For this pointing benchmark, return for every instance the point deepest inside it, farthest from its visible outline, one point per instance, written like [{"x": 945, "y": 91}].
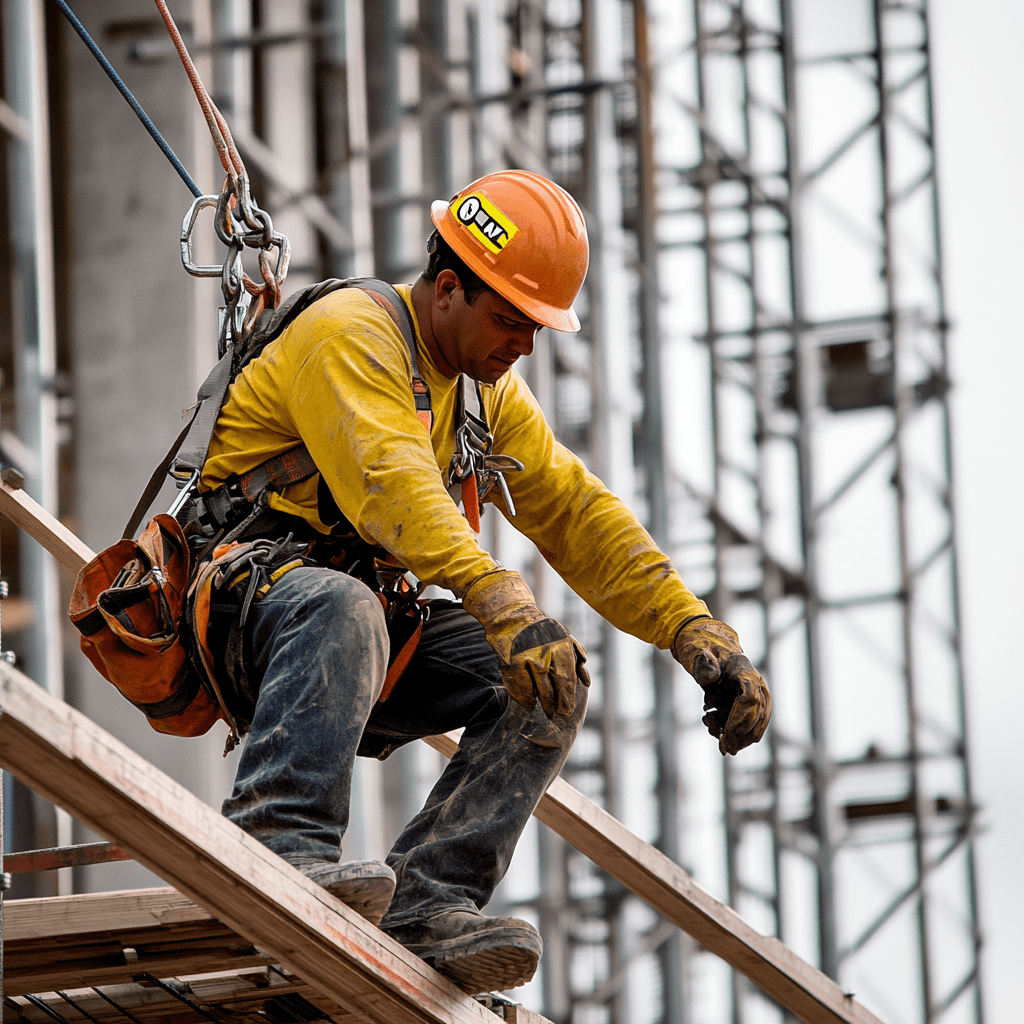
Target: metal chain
[{"x": 239, "y": 222}]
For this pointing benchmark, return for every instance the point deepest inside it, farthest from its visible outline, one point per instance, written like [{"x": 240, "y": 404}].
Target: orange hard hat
[{"x": 523, "y": 236}]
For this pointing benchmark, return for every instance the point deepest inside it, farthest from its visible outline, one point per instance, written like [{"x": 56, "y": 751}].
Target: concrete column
[
  {"x": 287, "y": 122},
  {"x": 135, "y": 321}
]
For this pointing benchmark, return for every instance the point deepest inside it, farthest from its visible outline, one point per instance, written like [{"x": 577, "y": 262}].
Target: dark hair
[{"x": 441, "y": 256}]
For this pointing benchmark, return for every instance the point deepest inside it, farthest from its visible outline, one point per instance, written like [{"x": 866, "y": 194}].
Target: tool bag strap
[{"x": 187, "y": 455}]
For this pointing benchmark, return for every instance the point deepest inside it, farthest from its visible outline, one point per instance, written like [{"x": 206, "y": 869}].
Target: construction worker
[{"x": 307, "y": 669}]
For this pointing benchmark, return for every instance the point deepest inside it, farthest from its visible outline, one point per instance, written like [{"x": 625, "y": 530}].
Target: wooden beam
[
  {"x": 664, "y": 885},
  {"x": 775, "y": 969},
  {"x": 31, "y": 517},
  {"x": 68, "y": 917},
  {"x": 14, "y": 124},
  {"x": 65, "y": 757},
  {"x": 231, "y": 992},
  {"x": 59, "y": 943}
]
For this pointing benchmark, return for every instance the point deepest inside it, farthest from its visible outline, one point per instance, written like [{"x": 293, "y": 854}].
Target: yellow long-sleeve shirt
[{"x": 338, "y": 379}]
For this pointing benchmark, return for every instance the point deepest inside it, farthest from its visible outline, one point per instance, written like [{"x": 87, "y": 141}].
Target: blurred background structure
[{"x": 762, "y": 374}]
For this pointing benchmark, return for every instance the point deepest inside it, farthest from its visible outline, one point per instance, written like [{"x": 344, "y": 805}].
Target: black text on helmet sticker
[{"x": 484, "y": 221}]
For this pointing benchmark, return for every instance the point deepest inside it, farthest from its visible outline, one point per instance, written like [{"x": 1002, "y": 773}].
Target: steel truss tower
[{"x": 804, "y": 202}]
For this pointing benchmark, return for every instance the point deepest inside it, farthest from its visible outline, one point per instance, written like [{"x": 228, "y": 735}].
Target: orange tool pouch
[{"x": 127, "y": 604}]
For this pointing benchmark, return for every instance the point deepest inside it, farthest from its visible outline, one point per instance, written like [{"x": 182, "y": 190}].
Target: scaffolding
[
  {"x": 805, "y": 184},
  {"x": 761, "y": 374}
]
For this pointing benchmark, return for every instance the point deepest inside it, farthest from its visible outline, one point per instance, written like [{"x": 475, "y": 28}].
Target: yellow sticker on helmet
[{"x": 483, "y": 220}]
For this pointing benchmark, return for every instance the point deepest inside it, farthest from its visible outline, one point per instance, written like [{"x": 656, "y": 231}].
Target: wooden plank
[
  {"x": 64, "y": 942},
  {"x": 128, "y": 911},
  {"x": 31, "y": 517},
  {"x": 795, "y": 984},
  {"x": 768, "y": 963},
  {"x": 229, "y": 992},
  {"x": 65, "y": 757},
  {"x": 51, "y": 944}
]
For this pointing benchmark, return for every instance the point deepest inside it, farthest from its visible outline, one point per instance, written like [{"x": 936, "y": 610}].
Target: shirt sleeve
[{"x": 588, "y": 535}]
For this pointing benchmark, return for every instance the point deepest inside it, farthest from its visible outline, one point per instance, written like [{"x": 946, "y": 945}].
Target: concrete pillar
[{"x": 135, "y": 321}]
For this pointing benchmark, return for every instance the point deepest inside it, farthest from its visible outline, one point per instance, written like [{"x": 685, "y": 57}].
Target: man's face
[{"x": 482, "y": 339}]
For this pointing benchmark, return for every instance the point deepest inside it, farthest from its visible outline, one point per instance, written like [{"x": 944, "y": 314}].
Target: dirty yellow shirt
[{"x": 338, "y": 378}]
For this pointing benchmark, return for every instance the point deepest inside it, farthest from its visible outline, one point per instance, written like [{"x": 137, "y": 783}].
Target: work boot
[
  {"x": 364, "y": 885},
  {"x": 480, "y": 954}
]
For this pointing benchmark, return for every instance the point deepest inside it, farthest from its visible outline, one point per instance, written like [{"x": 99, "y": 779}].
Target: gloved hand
[
  {"x": 736, "y": 698},
  {"x": 540, "y": 659}
]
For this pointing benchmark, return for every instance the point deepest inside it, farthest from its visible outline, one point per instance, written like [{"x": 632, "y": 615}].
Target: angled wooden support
[
  {"x": 30, "y": 516},
  {"x": 70, "y": 760},
  {"x": 793, "y": 983},
  {"x": 774, "y": 968}
]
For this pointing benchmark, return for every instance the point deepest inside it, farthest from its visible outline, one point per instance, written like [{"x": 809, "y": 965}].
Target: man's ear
[{"x": 445, "y": 285}]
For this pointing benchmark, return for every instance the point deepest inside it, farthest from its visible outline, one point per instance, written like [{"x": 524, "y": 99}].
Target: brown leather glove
[
  {"x": 540, "y": 659},
  {"x": 736, "y": 698}
]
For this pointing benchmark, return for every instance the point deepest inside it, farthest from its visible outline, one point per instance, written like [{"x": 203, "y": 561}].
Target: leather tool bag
[{"x": 127, "y": 604}]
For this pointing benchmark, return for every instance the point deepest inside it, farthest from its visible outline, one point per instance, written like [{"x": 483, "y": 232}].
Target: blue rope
[{"x": 132, "y": 101}]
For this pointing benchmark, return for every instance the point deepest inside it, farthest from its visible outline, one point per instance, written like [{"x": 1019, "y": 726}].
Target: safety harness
[
  {"x": 473, "y": 472},
  {"x": 237, "y": 548}
]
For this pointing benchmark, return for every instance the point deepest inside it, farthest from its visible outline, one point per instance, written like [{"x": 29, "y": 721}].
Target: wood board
[
  {"x": 216, "y": 995},
  {"x": 62, "y": 942},
  {"x": 792, "y": 982},
  {"x": 101, "y": 949}
]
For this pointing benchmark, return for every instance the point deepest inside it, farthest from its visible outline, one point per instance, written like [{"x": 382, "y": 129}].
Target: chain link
[{"x": 239, "y": 224}]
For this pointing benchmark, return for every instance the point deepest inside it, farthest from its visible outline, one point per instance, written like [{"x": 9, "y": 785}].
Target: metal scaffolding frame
[
  {"x": 810, "y": 196},
  {"x": 32, "y": 433}
]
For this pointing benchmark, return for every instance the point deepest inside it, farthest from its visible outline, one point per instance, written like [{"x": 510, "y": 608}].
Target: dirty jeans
[{"x": 320, "y": 644}]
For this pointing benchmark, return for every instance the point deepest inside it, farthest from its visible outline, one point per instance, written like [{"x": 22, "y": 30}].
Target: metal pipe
[
  {"x": 610, "y": 428},
  {"x": 942, "y": 331},
  {"x": 763, "y": 408},
  {"x": 705, "y": 180},
  {"x": 672, "y": 952},
  {"x": 382, "y": 38},
  {"x": 35, "y": 334},
  {"x": 358, "y": 142},
  {"x": 805, "y": 356},
  {"x": 906, "y": 577},
  {"x": 33, "y": 302}
]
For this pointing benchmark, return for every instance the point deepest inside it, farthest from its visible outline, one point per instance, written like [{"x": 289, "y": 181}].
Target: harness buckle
[{"x": 473, "y": 457}]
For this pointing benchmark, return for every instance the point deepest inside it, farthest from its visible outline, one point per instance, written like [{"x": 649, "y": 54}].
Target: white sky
[{"x": 979, "y": 84}]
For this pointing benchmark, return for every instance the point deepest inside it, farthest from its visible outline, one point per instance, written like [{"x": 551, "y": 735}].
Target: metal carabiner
[
  {"x": 232, "y": 276},
  {"x": 187, "y": 227},
  {"x": 264, "y": 238},
  {"x": 493, "y": 472}
]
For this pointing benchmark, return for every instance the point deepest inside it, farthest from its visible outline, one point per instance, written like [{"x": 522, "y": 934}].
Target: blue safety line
[{"x": 132, "y": 101}]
